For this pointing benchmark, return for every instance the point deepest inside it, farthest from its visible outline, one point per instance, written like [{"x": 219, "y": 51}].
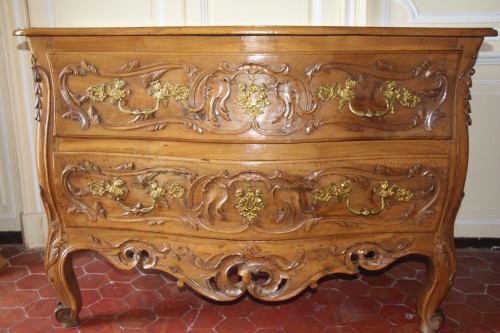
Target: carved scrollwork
[
  {"x": 366, "y": 80},
  {"x": 233, "y": 203},
  {"x": 231, "y": 274},
  {"x": 231, "y": 100}
]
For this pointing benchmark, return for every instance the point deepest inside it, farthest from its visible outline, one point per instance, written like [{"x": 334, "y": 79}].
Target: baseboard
[
  {"x": 477, "y": 243},
  {"x": 11, "y": 237}
]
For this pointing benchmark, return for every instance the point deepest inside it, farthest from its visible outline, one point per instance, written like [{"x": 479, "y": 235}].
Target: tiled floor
[{"x": 148, "y": 301}]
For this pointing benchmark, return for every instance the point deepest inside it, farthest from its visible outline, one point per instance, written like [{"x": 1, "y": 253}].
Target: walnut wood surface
[{"x": 253, "y": 159}]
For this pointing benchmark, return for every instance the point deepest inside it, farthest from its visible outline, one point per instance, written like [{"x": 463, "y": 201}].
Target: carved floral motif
[
  {"x": 214, "y": 201},
  {"x": 214, "y": 99}
]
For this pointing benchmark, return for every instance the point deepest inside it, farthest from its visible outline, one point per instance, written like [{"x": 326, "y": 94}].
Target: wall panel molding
[
  {"x": 21, "y": 107},
  {"x": 419, "y": 18}
]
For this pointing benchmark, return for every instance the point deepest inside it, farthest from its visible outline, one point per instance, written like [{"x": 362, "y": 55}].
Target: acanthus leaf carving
[
  {"x": 266, "y": 202},
  {"x": 213, "y": 99}
]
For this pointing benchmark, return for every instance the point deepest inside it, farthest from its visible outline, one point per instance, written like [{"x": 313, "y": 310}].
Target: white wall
[{"x": 480, "y": 212}]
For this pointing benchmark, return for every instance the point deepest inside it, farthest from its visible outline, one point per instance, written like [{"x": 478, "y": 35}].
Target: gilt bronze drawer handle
[
  {"x": 406, "y": 98},
  {"x": 117, "y": 95},
  {"x": 385, "y": 191}
]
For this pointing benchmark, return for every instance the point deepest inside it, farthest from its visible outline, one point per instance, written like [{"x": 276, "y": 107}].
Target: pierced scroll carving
[
  {"x": 233, "y": 203},
  {"x": 254, "y": 269},
  {"x": 228, "y": 101}
]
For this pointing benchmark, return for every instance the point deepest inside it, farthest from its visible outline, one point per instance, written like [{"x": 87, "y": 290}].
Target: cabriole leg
[
  {"x": 440, "y": 274},
  {"x": 59, "y": 269}
]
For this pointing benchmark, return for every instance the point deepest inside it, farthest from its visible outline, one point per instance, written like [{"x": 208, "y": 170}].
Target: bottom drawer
[{"x": 251, "y": 200}]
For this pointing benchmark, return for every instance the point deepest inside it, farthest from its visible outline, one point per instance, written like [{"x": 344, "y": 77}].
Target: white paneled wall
[{"x": 480, "y": 212}]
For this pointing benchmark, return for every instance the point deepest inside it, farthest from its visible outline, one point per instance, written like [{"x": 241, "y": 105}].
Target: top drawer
[{"x": 248, "y": 97}]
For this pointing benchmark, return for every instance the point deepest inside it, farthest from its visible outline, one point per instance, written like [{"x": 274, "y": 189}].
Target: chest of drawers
[{"x": 253, "y": 160}]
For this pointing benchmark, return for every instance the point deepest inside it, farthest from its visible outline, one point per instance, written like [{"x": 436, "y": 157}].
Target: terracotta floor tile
[
  {"x": 399, "y": 314},
  {"x": 270, "y": 330},
  {"x": 362, "y": 304},
  {"x": 486, "y": 276},
  {"x": 10, "y": 316},
  {"x": 31, "y": 325},
  {"x": 335, "y": 315},
  {"x": 387, "y": 295},
  {"x": 116, "y": 290},
  {"x": 93, "y": 281},
  {"x": 304, "y": 324},
  {"x": 495, "y": 267},
  {"x": 205, "y": 318},
  {"x": 141, "y": 300},
  {"x": 33, "y": 281},
  {"x": 7, "y": 287},
  {"x": 123, "y": 275},
  {"x": 171, "y": 308},
  {"x": 378, "y": 279},
  {"x": 370, "y": 324},
  {"x": 18, "y": 298},
  {"x": 99, "y": 325},
  {"x": 469, "y": 285},
  {"x": 462, "y": 313},
  {"x": 13, "y": 273},
  {"x": 149, "y": 282},
  {"x": 26, "y": 259},
  {"x": 172, "y": 325},
  {"x": 484, "y": 303},
  {"x": 96, "y": 266},
  {"x": 241, "y": 308},
  {"x": 136, "y": 318},
  {"x": 238, "y": 324},
  {"x": 108, "y": 307},
  {"x": 269, "y": 317},
  {"x": 340, "y": 329},
  {"x": 41, "y": 308}
]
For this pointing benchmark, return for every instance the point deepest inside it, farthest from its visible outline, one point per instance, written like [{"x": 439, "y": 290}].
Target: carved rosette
[
  {"x": 268, "y": 203},
  {"x": 267, "y": 99}
]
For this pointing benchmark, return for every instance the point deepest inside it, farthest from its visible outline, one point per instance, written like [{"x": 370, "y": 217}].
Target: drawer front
[
  {"x": 247, "y": 97},
  {"x": 251, "y": 200}
]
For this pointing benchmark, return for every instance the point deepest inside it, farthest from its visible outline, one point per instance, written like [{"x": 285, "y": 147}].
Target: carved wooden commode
[{"x": 253, "y": 159}]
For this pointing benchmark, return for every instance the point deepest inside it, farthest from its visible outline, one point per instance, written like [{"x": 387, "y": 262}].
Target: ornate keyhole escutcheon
[
  {"x": 253, "y": 98},
  {"x": 249, "y": 202}
]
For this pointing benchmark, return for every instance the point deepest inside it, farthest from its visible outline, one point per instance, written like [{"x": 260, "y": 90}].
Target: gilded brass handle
[
  {"x": 117, "y": 94},
  {"x": 385, "y": 191},
  {"x": 117, "y": 190},
  {"x": 405, "y": 97}
]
